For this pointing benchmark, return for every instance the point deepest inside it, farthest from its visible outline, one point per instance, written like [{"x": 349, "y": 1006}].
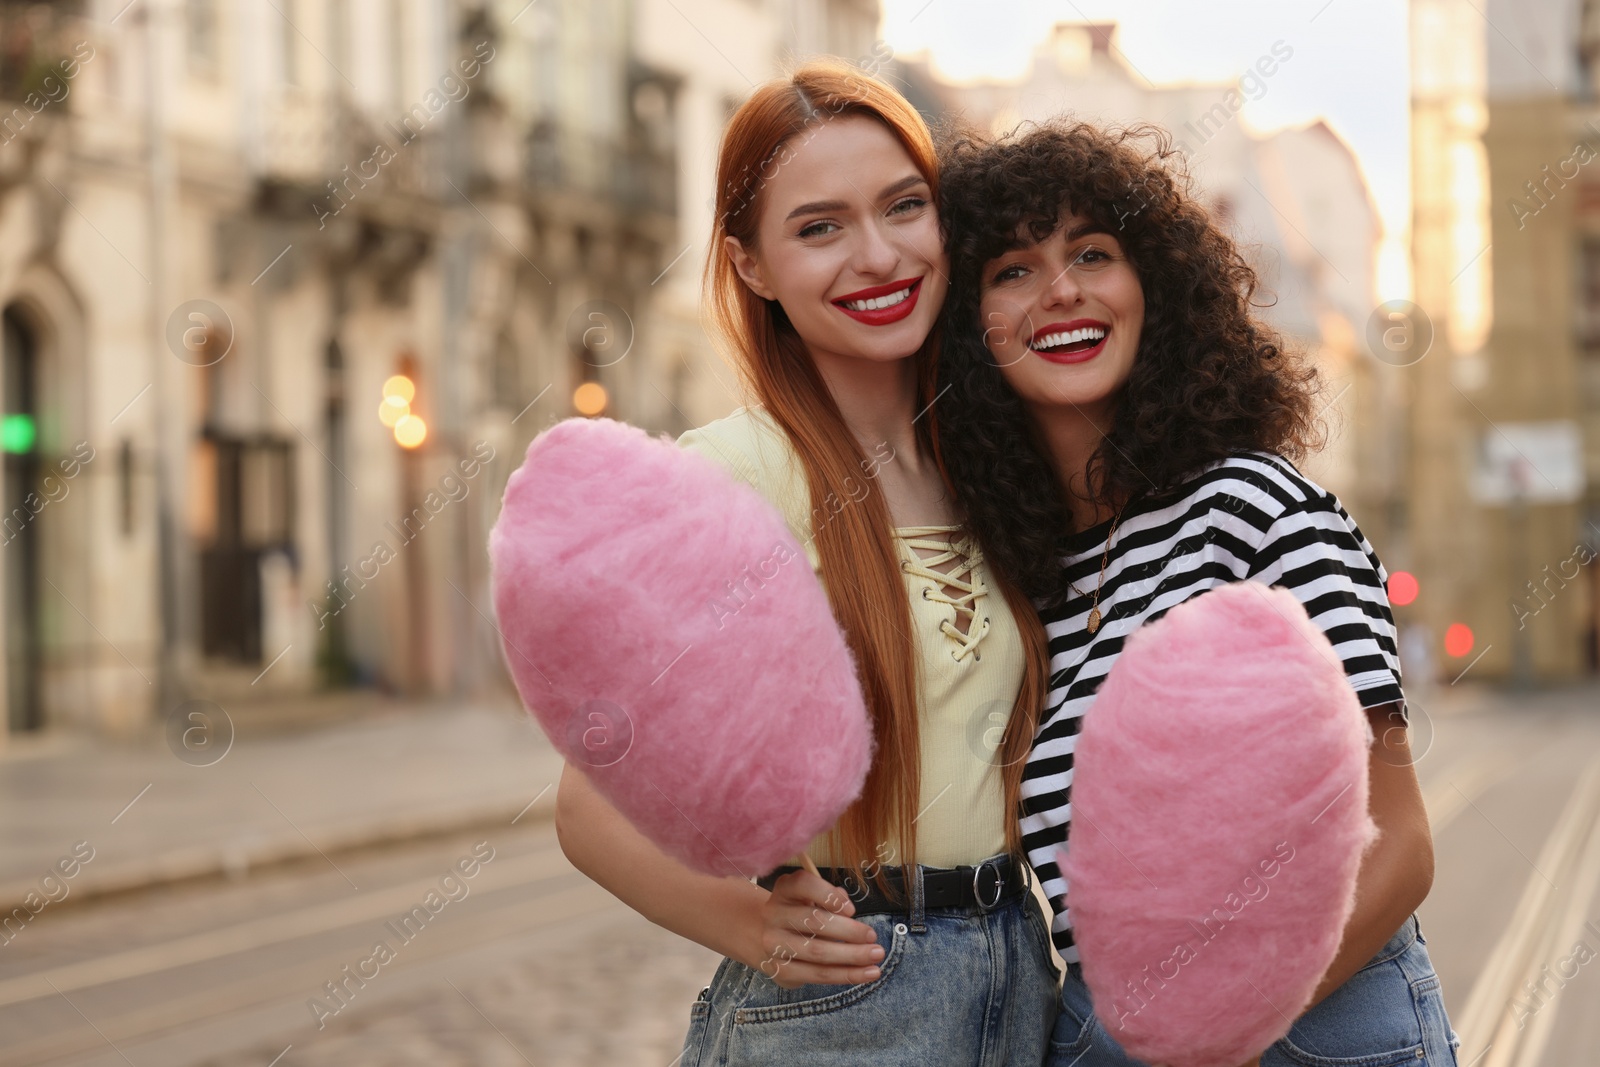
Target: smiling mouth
[
  {"x": 1068, "y": 342},
  {"x": 880, "y": 305},
  {"x": 878, "y": 302}
]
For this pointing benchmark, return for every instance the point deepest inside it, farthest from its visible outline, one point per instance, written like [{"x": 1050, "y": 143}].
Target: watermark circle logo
[
  {"x": 1011, "y": 330},
  {"x": 1399, "y": 333},
  {"x": 599, "y": 733},
  {"x": 600, "y": 332},
  {"x": 1415, "y": 725},
  {"x": 986, "y": 728},
  {"x": 199, "y": 732},
  {"x": 199, "y": 332}
]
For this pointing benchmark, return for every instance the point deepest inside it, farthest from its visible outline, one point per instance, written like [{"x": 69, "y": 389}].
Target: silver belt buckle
[{"x": 999, "y": 886}]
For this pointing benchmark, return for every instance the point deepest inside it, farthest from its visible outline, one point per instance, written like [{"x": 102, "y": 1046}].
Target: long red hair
[{"x": 860, "y": 561}]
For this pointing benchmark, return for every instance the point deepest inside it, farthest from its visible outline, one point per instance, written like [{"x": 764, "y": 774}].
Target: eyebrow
[
  {"x": 1085, "y": 229},
  {"x": 817, "y": 207}
]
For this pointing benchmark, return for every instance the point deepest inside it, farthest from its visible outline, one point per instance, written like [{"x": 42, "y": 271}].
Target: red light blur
[{"x": 1458, "y": 639}]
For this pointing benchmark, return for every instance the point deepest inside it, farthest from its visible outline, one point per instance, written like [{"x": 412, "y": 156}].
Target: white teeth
[
  {"x": 879, "y": 301},
  {"x": 1067, "y": 337}
]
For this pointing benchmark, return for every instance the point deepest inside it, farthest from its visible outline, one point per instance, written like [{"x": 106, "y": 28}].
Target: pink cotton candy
[
  {"x": 1219, "y": 814},
  {"x": 667, "y": 632}
]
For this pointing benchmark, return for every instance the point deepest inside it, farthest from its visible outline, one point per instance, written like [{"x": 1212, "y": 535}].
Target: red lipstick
[
  {"x": 884, "y": 315},
  {"x": 1070, "y": 354}
]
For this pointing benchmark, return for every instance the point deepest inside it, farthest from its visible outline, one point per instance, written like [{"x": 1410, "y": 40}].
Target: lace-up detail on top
[
  {"x": 960, "y": 700},
  {"x": 961, "y": 585}
]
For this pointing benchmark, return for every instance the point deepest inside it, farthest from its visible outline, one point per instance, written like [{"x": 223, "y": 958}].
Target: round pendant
[{"x": 1094, "y": 619}]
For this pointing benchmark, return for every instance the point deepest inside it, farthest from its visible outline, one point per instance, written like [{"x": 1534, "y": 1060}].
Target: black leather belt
[{"x": 985, "y": 886}]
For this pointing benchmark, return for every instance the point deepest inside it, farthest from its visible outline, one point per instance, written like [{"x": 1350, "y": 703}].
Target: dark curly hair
[{"x": 1208, "y": 380}]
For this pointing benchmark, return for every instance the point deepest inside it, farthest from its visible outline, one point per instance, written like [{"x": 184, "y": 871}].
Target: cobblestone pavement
[
  {"x": 613, "y": 991},
  {"x": 539, "y": 966},
  {"x": 543, "y": 968}
]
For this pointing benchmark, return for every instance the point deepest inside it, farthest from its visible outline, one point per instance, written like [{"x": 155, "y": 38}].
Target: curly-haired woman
[{"x": 1121, "y": 430}]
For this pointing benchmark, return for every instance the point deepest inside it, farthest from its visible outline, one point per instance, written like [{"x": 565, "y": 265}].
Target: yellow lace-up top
[{"x": 970, "y": 655}]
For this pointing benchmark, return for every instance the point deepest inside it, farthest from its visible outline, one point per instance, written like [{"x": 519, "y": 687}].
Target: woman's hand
[
  {"x": 800, "y": 932},
  {"x": 806, "y": 935}
]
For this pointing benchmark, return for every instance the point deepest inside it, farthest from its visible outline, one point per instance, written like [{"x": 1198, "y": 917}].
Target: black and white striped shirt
[{"x": 1250, "y": 517}]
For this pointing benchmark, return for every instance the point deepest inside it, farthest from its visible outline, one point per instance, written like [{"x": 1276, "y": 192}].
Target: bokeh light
[
  {"x": 410, "y": 431},
  {"x": 400, "y": 388},
  {"x": 589, "y": 398},
  {"x": 392, "y": 410},
  {"x": 18, "y": 433},
  {"x": 1458, "y": 639},
  {"x": 1403, "y": 588}
]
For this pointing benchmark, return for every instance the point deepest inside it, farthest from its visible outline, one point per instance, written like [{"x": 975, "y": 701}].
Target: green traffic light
[{"x": 17, "y": 433}]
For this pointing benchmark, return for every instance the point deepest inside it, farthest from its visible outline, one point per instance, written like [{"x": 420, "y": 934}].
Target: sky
[{"x": 1351, "y": 67}]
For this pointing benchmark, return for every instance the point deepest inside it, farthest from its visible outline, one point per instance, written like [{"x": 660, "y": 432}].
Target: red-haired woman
[{"x": 920, "y": 940}]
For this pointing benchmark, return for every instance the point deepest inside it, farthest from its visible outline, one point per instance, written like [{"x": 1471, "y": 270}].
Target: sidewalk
[
  {"x": 295, "y": 783},
  {"x": 1444, "y": 701},
  {"x": 401, "y": 771}
]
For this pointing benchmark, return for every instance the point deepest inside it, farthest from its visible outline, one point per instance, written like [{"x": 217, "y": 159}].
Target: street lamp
[
  {"x": 395, "y": 412},
  {"x": 589, "y": 398}
]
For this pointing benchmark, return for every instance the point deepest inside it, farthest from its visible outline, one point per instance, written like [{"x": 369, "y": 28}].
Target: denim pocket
[
  {"x": 1373, "y": 1020},
  {"x": 699, "y": 1019},
  {"x": 1035, "y": 921},
  {"x": 1380, "y": 1059},
  {"x": 1440, "y": 1040},
  {"x": 769, "y": 1002},
  {"x": 1075, "y": 1022}
]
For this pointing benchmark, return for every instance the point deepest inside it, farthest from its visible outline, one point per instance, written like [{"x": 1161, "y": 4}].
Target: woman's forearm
[
  {"x": 1397, "y": 872},
  {"x": 723, "y": 914},
  {"x": 1388, "y": 889}
]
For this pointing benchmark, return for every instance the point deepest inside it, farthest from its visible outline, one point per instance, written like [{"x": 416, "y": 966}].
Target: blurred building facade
[
  {"x": 1503, "y": 518},
  {"x": 719, "y": 50},
  {"x": 226, "y": 230},
  {"x": 1296, "y": 201}
]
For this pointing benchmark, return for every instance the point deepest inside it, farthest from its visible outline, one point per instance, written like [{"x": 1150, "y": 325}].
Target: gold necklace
[{"x": 1094, "y": 610}]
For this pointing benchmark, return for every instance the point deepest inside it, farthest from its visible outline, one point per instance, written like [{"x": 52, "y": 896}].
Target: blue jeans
[
  {"x": 963, "y": 987},
  {"x": 1388, "y": 1013}
]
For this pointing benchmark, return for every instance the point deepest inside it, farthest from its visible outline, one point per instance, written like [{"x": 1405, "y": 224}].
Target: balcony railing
[
  {"x": 311, "y": 141},
  {"x": 568, "y": 160}
]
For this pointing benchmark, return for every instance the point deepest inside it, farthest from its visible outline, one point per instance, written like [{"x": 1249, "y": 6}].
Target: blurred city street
[
  {"x": 396, "y": 771},
  {"x": 219, "y": 903},
  {"x": 289, "y": 287},
  {"x": 536, "y": 964}
]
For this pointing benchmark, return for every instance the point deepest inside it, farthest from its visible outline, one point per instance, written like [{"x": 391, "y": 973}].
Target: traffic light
[
  {"x": 1403, "y": 588},
  {"x": 1458, "y": 640},
  {"x": 18, "y": 433}
]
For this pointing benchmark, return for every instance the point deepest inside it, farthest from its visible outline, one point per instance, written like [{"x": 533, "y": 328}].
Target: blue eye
[
  {"x": 907, "y": 204},
  {"x": 815, "y": 229}
]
